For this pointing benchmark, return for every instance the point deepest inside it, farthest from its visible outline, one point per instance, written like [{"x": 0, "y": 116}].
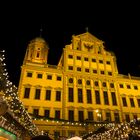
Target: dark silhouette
[{"x": 41, "y": 137}]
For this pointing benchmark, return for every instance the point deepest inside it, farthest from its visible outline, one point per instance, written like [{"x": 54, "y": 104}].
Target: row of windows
[
  {"x": 71, "y": 96},
  {"x": 79, "y": 69},
  {"x": 129, "y": 86},
  {"x": 87, "y": 59},
  {"x": 88, "y": 82},
  {"x": 132, "y": 103},
  {"x": 81, "y": 117},
  {"x": 39, "y": 75},
  {"x": 38, "y": 94}
]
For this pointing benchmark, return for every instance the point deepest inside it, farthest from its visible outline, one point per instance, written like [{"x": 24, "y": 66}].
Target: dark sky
[{"x": 117, "y": 24}]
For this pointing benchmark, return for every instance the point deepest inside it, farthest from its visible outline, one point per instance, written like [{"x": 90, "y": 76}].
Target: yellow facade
[{"x": 84, "y": 87}]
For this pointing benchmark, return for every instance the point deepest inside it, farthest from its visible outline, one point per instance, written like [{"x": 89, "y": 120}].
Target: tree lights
[{"x": 15, "y": 106}]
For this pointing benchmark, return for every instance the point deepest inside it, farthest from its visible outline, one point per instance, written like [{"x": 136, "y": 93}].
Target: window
[
  {"x": 121, "y": 85},
  {"x": 89, "y": 97},
  {"x": 94, "y": 71},
  {"x": 80, "y": 95},
  {"x": 49, "y": 77},
  {"x": 47, "y": 113},
  {"x": 102, "y": 72},
  {"x": 78, "y": 58},
  {"x": 57, "y": 114},
  {"x": 48, "y": 94},
  {"x": 112, "y": 85},
  {"x": 90, "y": 115},
  {"x": 114, "y": 101},
  {"x": 96, "y": 83},
  {"x": 79, "y": 81},
  {"x": 86, "y": 70},
  {"x": 100, "y": 61},
  {"x": 35, "y": 112},
  {"x": 29, "y": 74},
  {"x": 106, "y": 101},
  {"x": 97, "y": 96},
  {"x": 117, "y": 118},
  {"x": 37, "y": 94},
  {"x": 70, "y": 80},
  {"x": 27, "y": 93},
  {"x": 39, "y": 75},
  {"x": 86, "y": 59},
  {"x": 81, "y": 116},
  {"x": 138, "y": 100},
  {"x": 37, "y": 54},
  {"x": 108, "y": 62},
  {"x": 108, "y": 116},
  {"x": 70, "y": 67},
  {"x": 78, "y": 69},
  {"x": 58, "y": 78},
  {"x": 136, "y": 87},
  {"x": 124, "y": 101},
  {"x": 127, "y": 118},
  {"x": 70, "y": 56},
  {"x": 128, "y": 86},
  {"x": 70, "y": 94},
  {"x": 93, "y": 60},
  {"x": 109, "y": 73},
  {"x": 58, "y": 95},
  {"x": 88, "y": 82},
  {"x": 104, "y": 84},
  {"x": 132, "y": 102},
  {"x": 71, "y": 115}
]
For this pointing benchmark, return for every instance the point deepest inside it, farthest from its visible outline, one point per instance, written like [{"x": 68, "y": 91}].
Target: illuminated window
[
  {"x": 49, "y": 77},
  {"x": 132, "y": 102},
  {"x": 114, "y": 100},
  {"x": 78, "y": 58},
  {"x": 71, "y": 115},
  {"x": 29, "y": 74},
  {"x": 57, "y": 114},
  {"x": 78, "y": 69},
  {"x": 138, "y": 100},
  {"x": 70, "y": 92},
  {"x": 97, "y": 97},
  {"x": 70, "y": 67},
  {"x": 58, "y": 95},
  {"x": 89, "y": 97},
  {"x": 124, "y": 101},
  {"x": 37, "y": 94},
  {"x": 81, "y": 116},
  {"x": 47, "y": 113},
  {"x": 80, "y": 95},
  {"x": 121, "y": 85},
  {"x": 80, "y": 81},
  {"x": 70, "y": 56},
  {"x": 48, "y": 94},
  {"x": 27, "y": 93},
  {"x": 90, "y": 115},
  {"x": 136, "y": 87},
  {"x": 58, "y": 78},
  {"x": 35, "y": 112},
  {"x": 39, "y": 75},
  {"x": 106, "y": 101}
]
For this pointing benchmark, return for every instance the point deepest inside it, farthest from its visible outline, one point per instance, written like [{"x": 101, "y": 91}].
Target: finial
[
  {"x": 86, "y": 29},
  {"x": 41, "y": 31}
]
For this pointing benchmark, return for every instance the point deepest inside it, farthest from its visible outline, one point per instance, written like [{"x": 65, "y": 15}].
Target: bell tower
[{"x": 37, "y": 51}]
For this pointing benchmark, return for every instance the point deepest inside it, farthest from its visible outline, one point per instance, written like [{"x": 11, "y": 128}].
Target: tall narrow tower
[{"x": 37, "y": 51}]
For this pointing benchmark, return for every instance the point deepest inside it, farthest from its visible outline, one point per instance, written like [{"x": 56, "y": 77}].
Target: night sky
[{"x": 117, "y": 24}]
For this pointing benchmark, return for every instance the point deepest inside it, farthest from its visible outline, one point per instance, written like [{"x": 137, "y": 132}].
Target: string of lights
[{"x": 15, "y": 106}]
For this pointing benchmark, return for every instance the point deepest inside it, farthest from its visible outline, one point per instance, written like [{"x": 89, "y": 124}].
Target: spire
[
  {"x": 86, "y": 29},
  {"x": 41, "y": 30}
]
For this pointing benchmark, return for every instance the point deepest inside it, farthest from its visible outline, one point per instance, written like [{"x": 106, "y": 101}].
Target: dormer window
[{"x": 37, "y": 54}]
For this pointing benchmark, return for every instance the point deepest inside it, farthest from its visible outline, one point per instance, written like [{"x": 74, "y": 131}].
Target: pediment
[{"x": 89, "y": 38}]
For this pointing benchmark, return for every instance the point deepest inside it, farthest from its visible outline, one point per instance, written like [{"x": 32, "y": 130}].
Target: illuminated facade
[{"x": 84, "y": 87}]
